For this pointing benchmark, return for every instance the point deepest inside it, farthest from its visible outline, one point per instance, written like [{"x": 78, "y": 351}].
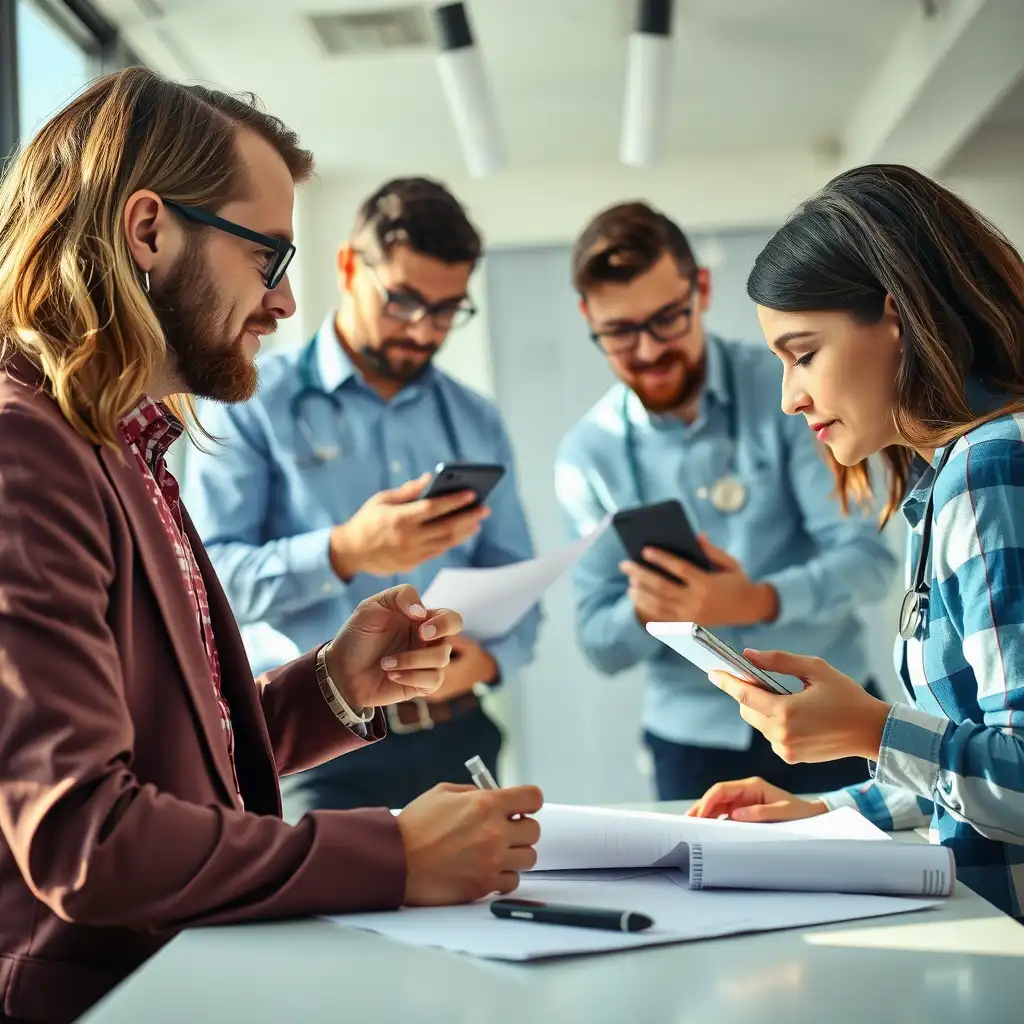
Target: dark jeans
[
  {"x": 395, "y": 770},
  {"x": 686, "y": 772}
]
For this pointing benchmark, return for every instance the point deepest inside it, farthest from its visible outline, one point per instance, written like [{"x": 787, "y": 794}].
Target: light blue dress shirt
[
  {"x": 265, "y": 509},
  {"x": 791, "y": 533}
]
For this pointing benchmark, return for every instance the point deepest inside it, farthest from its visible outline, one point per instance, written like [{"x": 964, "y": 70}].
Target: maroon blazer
[{"x": 119, "y": 823}]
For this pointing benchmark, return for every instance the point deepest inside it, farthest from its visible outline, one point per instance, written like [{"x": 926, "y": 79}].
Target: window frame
[{"x": 85, "y": 25}]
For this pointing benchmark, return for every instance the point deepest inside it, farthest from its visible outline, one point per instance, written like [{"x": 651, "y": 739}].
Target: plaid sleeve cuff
[
  {"x": 909, "y": 755},
  {"x": 840, "y": 798},
  {"x": 891, "y": 808}
]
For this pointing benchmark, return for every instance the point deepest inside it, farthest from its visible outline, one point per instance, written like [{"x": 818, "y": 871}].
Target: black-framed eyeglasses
[
  {"x": 670, "y": 323},
  {"x": 409, "y": 308},
  {"x": 281, "y": 251}
]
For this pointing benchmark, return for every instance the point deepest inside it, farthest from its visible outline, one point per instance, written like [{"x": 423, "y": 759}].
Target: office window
[{"x": 52, "y": 67}]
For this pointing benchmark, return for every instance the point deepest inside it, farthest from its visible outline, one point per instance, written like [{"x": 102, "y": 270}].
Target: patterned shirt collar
[{"x": 152, "y": 428}]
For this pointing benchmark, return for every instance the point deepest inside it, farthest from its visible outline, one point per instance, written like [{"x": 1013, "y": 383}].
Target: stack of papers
[
  {"x": 696, "y": 878},
  {"x": 835, "y": 852}
]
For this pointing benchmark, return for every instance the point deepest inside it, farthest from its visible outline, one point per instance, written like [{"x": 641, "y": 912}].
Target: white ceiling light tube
[
  {"x": 466, "y": 91},
  {"x": 648, "y": 79}
]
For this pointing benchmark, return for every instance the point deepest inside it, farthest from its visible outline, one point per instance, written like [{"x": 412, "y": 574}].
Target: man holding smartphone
[
  {"x": 312, "y": 496},
  {"x": 695, "y": 420}
]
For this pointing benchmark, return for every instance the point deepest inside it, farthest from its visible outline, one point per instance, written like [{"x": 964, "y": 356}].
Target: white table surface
[{"x": 963, "y": 961}]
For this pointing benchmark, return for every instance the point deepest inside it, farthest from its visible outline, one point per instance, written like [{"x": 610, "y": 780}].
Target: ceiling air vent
[{"x": 376, "y": 31}]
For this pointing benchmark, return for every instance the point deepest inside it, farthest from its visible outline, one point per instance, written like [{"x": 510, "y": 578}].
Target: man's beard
[
  {"x": 688, "y": 388},
  {"x": 402, "y": 371},
  {"x": 191, "y": 314}
]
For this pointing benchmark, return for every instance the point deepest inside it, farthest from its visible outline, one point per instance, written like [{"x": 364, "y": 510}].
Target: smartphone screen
[
  {"x": 455, "y": 477},
  {"x": 744, "y": 668},
  {"x": 663, "y": 526}
]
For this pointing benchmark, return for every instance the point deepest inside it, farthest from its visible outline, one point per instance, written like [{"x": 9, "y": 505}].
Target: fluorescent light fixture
[
  {"x": 648, "y": 78},
  {"x": 466, "y": 91}
]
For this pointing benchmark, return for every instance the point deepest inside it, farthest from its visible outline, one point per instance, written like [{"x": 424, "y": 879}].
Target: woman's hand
[
  {"x": 753, "y": 800},
  {"x": 832, "y": 717}
]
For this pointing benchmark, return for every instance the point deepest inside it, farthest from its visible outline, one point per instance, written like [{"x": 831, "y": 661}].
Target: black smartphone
[
  {"x": 663, "y": 526},
  {"x": 455, "y": 477}
]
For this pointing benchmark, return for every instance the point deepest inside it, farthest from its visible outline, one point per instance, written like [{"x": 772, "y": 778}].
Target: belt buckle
[{"x": 423, "y": 722}]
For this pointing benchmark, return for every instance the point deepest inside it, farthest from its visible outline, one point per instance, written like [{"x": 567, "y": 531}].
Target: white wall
[{"x": 988, "y": 173}]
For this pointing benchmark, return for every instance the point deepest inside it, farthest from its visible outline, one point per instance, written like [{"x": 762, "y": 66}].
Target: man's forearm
[
  {"x": 283, "y": 577},
  {"x": 612, "y": 637}
]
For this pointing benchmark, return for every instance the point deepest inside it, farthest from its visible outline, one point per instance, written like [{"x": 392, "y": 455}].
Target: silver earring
[{"x": 145, "y": 281}]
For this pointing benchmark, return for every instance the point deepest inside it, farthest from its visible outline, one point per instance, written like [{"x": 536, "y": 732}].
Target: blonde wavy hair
[{"x": 71, "y": 296}]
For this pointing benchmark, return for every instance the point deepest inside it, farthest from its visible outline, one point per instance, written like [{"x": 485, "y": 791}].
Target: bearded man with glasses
[{"x": 314, "y": 499}]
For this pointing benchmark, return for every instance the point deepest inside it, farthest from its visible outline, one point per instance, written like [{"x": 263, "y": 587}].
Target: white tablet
[{"x": 701, "y": 647}]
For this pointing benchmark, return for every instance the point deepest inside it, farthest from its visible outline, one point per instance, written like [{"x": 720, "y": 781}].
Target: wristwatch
[{"x": 348, "y": 715}]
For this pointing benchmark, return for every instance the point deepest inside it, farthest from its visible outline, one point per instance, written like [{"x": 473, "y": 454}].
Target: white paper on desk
[
  {"x": 824, "y": 865},
  {"x": 574, "y": 837},
  {"x": 492, "y": 600},
  {"x": 836, "y": 852},
  {"x": 679, "y": 915}
]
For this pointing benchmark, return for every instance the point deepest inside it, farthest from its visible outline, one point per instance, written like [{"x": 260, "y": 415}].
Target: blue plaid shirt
[{"x": 957, "y": 754}]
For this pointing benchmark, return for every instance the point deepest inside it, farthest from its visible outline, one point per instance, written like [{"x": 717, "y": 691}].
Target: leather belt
[{"x": 418, "y": 715}]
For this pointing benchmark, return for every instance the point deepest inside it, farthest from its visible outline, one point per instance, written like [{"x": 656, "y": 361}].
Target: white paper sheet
[
  {"x": 679, "y": 915},
  {"x": 491, "y": 601}
]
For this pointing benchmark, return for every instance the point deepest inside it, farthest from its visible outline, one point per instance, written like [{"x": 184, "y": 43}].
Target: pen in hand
[
  {"x": 480, "y": 773},
  {"x": 555, "y": 913}
]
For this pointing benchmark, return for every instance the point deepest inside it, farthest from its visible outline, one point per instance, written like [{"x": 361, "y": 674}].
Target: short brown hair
[
  {"x": 625, "y": 241},
  {"x": 71, "y": 299},
  {"x": 420, "y": 213}
]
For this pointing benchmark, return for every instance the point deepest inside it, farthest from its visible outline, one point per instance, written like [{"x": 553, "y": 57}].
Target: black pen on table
[
  {"x": 564, "y": 913},
  {"x": 555, "y": 913}
]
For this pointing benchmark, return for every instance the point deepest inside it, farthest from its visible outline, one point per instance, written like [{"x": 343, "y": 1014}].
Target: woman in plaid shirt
[{"x": 898, "y": 313}]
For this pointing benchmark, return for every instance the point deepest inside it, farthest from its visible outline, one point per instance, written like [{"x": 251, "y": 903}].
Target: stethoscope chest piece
[
  {"x": 728, "y": 494},
  {"x": 913, "y": 612}
]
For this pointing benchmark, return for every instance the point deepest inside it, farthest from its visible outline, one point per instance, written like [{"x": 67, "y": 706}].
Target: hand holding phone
[
  {"x": 709, "y": 653},
  {"x": 450, "y": 478},
  {"x": 676, "y": 576},
  {"x": 663, "y": 526},
  {"x": 399, "y": 529}
]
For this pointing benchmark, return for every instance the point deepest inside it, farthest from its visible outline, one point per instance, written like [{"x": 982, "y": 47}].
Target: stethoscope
[
  {"x": 728, "y": 493},
  {"x": 310, "y": 391},
  {"x": 914, "y": 609}
]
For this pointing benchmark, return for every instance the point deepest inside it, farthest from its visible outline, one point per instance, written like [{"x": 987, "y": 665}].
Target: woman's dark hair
[{"x": 956, "y": 282}]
